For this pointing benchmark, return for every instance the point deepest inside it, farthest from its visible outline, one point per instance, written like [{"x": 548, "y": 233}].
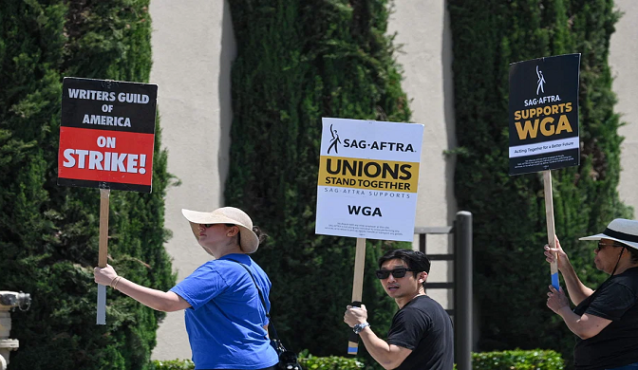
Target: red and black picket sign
[{"x": 107, "y": 134}]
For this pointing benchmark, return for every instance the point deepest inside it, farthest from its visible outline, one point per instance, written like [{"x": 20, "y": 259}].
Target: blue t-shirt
[{"x": 225, "y": 323}]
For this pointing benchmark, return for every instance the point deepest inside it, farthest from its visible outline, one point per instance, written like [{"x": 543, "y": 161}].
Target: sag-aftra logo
[{"x": 354, "y": 143}]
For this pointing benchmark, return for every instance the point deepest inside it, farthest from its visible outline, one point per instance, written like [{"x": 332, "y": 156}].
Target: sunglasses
[
  {"x": 396, "y": 273},
  {"x": 206, "y": 226},
  {"x": 602, "y": 245}
]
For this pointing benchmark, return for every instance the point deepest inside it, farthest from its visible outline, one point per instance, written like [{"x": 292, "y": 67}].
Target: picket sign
[
  {"x": 107, "y": 137},
  {"x": 543, "y": 125},
  {"x": 367, "y": 186}
]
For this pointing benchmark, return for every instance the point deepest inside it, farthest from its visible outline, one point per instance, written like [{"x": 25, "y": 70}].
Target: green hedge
[
  {"x": 310, "y": 362},
  {"x": 307, "y": 362},
  {"x": 172, "y": 365},
  {"x": 518, "y": 360},
  {"x": 509, "y": 360}
]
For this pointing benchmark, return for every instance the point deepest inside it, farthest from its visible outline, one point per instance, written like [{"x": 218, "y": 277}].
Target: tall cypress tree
[
  {"x": 298, "y": 61},
  {"x": 49, "y": 234},
  {"x": 511, "y": 275}
]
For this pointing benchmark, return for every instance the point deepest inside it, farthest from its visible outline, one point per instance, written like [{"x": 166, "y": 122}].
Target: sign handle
[
  {"x": 357, "y": 290},
  {"x": 551, "y": 230},
  {"x": 104, "y": 242}
]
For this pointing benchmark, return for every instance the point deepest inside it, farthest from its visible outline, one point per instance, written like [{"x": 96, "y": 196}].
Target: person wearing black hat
[
  {"x": 225, "y": 314},
  {"x": 605, "y": 320},
  {"x": 421, "y": 334}
]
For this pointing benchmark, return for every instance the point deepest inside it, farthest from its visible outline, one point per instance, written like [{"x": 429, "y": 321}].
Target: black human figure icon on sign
[{"x": 335, "y": 140}]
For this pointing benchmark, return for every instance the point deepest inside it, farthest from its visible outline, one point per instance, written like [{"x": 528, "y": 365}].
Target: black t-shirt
[
  {"x": 423, "y": 326},
  {"x": 617, "y": 344}
]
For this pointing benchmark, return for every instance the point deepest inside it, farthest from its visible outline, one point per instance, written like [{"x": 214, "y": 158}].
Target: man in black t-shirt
[
  {"x": 421, "y": 335},
  {"x": 605, "y": 320}
]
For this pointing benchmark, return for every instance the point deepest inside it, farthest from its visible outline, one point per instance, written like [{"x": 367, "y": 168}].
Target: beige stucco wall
[
  {"x": 423, "y": 31},
  {"x": 623, "y": 54},
  {"x": 193, "y": 48}
]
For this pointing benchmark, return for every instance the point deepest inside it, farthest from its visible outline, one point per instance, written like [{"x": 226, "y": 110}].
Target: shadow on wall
[
  {"x": 448, "y": 109},
  {"x": 226, "y": 58}
]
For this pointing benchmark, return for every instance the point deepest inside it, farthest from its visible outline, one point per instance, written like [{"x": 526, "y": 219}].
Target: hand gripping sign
[
  {"x": 107, "y": 139},
  {"x": 367, "y": 186},
  {"x": 543, "y": 124}
]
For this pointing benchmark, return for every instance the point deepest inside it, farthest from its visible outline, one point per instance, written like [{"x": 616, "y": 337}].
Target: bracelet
[
  {"x": 112, "y": 280},
  {"x": 358, "y": 328},
  {"x": 115, "y": 281}
]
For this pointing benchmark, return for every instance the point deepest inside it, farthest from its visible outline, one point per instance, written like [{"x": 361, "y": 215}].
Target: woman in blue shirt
[{"x": 225, "y": 318}]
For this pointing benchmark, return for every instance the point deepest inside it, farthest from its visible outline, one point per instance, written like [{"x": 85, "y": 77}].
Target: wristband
[{"x": 359, "y": 327}]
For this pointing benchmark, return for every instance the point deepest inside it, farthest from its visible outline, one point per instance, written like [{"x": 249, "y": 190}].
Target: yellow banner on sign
[{"x": 373, "y": 174}]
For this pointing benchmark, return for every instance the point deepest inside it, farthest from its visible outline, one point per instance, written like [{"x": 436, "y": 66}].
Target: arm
[
  {"x": 576, "y": 289},
  {"x": 585, "y": 326},
  {"x": 389, "y": 356},
  {"x": 153, "y": 298}
]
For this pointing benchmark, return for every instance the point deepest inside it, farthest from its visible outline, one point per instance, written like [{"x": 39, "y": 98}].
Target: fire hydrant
[{"x": 8, "y": 302}]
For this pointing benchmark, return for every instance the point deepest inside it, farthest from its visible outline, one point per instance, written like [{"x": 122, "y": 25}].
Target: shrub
[
  {"x": 306, "y": 360},
  {"x": 172, "y": 365},
  {"x": 508, "y": 360},
  {"x": 517, "y": 360},
  {"x": 310, "y": 362}
]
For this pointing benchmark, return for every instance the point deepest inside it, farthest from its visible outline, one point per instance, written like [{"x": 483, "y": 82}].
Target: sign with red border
[{"x": 107, "y": 135}]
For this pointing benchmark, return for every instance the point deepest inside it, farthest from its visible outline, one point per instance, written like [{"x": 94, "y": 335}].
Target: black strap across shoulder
[{"x": 261, "y": 296}]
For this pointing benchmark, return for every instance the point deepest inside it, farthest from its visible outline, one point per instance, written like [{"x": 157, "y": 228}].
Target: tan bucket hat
[
  {"x": 248, "y": 240},
  {"x": 621, "y": 230}
]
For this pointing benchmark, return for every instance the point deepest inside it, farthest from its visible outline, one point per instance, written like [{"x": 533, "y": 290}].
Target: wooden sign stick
[
  {"x": 103, "y": 251},
  {"x": 551, "y": 231},
  {"x": 357, "y": 289}
]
